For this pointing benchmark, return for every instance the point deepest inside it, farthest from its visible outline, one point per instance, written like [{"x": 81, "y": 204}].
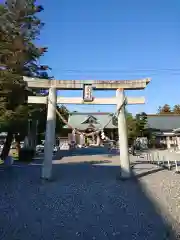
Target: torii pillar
[
  {"x": 50, "y": 134},
  {"x": 123, "y": 136}
]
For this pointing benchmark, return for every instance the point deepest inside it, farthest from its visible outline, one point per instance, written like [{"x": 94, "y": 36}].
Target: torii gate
[{"x": 88, "y": 86}]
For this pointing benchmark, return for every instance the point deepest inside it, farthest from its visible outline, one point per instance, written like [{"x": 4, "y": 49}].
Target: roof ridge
[
  {"x": 90, "y": 113},
  {"x": 164, "y": 115}
]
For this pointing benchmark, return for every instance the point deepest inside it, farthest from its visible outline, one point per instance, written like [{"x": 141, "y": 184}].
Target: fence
[{"x": 166, "y": 159}]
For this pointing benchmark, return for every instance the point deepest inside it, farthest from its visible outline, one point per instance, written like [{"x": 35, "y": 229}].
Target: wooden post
[
  {"x": 123, "y": 138},
  {"x": 178, "y": 142},
  {"x": 50, "y": 134},
  {"x": 93, "y": 139},
  {"x": 168, "y": 142},
  {"x": 98, "y": 140}
]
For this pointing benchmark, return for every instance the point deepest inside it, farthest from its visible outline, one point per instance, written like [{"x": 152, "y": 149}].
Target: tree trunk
[{"x": 7, "y": 146}]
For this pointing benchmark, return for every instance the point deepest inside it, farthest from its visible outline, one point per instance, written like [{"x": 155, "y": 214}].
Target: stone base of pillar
[{"x": 123, "y": 178}]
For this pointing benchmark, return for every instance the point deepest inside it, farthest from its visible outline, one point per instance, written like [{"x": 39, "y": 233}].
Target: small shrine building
[{"x": 92, "y": 121}]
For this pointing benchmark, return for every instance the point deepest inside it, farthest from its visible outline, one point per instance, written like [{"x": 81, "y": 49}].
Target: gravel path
[{"x": 87, "y": 201}]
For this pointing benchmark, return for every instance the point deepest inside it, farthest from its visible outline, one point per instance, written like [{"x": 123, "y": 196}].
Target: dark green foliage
[
  {"x": 19, "y": 28},
  {"x": 18, "y": 58},
  {"x": 136, "y": 126},
  {"x": 141, "y": 121}
]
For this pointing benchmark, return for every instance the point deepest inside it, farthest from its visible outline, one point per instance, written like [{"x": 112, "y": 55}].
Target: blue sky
[{"x": 115, "y": 39}]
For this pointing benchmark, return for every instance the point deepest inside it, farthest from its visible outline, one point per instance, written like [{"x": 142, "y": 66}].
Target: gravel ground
[{"x": 86, "y": 200}]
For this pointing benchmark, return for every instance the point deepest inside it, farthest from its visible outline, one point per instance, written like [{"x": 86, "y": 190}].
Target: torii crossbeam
[{"x": 79, "y": 84}]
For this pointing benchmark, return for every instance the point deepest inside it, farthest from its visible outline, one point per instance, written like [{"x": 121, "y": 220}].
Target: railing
[{"x": 165, "y": 159}]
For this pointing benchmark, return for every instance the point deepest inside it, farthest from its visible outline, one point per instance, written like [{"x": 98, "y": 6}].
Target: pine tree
[
  {"x": 166, "y": 109},
  {"x": 19, "y": 28},
  {"x": 141, "y": 121},
  {"x": 176, "y": 109}
]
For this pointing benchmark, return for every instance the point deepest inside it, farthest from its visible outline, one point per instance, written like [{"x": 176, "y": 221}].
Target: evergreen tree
[
  {"x": 131, "y": 125},
  {"x": 19, "y": 29},
  {"x": 166, "y": 109},
  {"x": 176, "y": 109},
  {"x": 141, "y": 121}
]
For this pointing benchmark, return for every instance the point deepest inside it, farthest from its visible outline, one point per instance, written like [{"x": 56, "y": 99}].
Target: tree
[
  {"x": 176, "y": 109},
  {"x": 166, "y": 109},
  {"x": 40, "y": 114},
  {"x": 141, "y": 121},
  {"x": 131, "y": 125},
  {"x": 136, "y": 126},
  {"x": 18, "y": 58}
]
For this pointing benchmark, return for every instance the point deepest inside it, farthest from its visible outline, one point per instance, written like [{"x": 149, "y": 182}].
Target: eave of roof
[
  {"x": 163, "y": 122},
  {"x": 90, "y": 113},
  {"x": 163, "y": 115}
]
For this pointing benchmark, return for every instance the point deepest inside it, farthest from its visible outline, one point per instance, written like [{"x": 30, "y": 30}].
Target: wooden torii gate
[{"x": 87, "y": 86}]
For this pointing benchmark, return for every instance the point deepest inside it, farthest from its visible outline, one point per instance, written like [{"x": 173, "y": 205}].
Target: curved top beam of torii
[{"x": 79, "y": 84}]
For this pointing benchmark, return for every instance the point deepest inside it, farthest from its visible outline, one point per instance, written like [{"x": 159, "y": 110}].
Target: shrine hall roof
[
  {"x": 83, "y": 121},
  {"x": 163, "y": 122}
]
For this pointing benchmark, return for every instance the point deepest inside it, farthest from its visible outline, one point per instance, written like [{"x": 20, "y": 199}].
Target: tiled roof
[
  {"x": 163, "y": 122},
  {"x": 76, "y": 119},
  {"x": 159, "y": 122}
]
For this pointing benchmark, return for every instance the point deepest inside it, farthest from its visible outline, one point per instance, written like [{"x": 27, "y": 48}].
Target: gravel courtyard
[{"x": 86, "y": 200}]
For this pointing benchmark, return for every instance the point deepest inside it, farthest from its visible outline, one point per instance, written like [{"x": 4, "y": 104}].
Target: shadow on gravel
[
  {"x": 87, "y": 152},
  {"x": 145, "y": 171},
  {"x": 84, "y": 201},
  {"x": 148, "y": 172}
]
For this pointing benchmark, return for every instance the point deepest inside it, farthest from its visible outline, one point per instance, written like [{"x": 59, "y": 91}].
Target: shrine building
[
  {"x": 165, "y": 128},
  {"x": 92, "y": 121}
]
